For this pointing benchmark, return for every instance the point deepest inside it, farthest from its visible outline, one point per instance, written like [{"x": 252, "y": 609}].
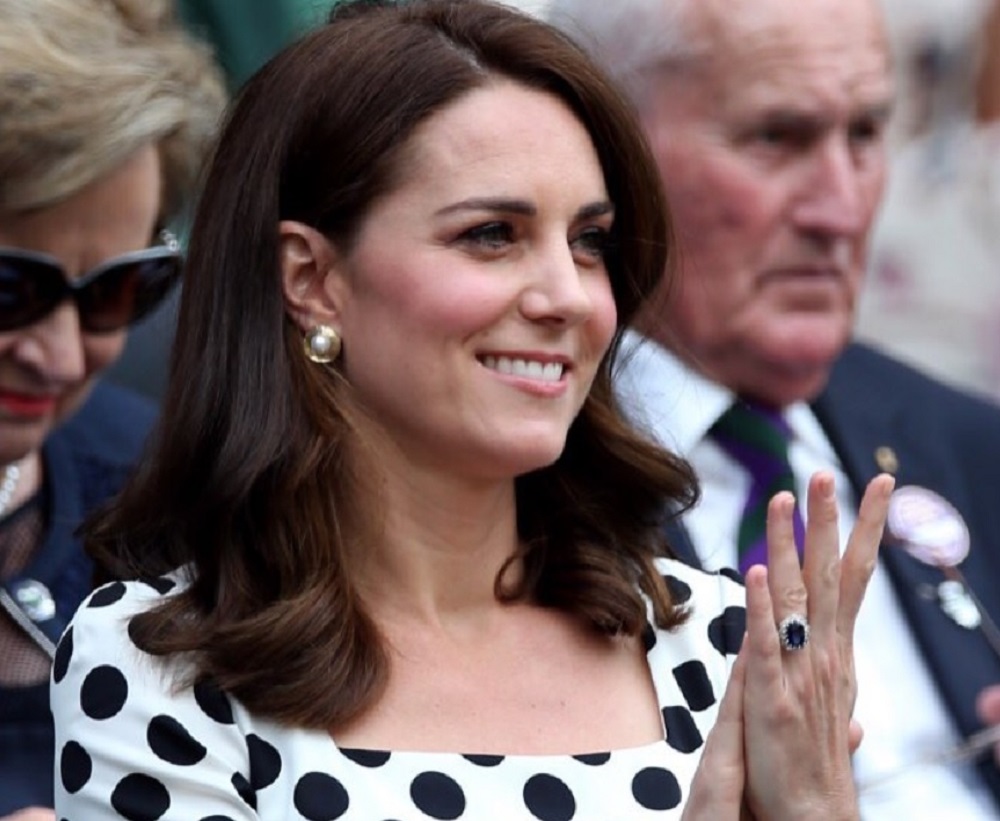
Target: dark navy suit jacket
[
  {"x": 949, "y": 442},
  {"x": 86, "y": 461}
]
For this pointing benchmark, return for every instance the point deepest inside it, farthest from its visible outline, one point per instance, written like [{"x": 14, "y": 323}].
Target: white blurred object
[
  {"x": 532, "y": 6},
  {"x": 936, "y": 51},
  {"x": 933, "y": 295}
]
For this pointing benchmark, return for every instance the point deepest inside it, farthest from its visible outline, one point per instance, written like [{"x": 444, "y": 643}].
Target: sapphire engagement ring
[{"x": 793, "y": 632}]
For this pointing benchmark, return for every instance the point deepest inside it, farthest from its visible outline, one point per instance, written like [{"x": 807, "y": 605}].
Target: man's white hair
[{"x": 629, "y": 37}]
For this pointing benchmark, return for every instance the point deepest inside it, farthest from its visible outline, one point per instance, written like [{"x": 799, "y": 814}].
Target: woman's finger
[
  {"x": 718, "y": 784},
  {"x": 855, "y": 735},
  {"x": 861, "y": 555},
  {"x": 765, "y": 677},
  {"x": 821, "y": 568},
  {"x": 784, "y": 571}
]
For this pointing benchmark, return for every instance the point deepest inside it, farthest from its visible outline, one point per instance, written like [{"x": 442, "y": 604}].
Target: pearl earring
[{"x": 321, "y": 344}]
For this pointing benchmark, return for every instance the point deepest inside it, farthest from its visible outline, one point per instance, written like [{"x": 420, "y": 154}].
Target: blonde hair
[{"x": 86, "y": 83}]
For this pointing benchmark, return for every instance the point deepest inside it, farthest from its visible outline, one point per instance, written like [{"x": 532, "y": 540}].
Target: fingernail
[{"x": 827, "y": 485}]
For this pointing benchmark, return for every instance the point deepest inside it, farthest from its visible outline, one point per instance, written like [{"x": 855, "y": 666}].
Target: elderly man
[{"x": 767, "y": 120}]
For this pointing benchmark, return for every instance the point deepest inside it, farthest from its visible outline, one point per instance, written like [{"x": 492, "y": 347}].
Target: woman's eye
[
  {"x": 489, "y": 235},
  {"x": 593, "y": 242}
]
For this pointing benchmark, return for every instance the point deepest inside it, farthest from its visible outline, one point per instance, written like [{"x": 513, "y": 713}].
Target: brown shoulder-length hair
[{"x": 256, "y": 477}]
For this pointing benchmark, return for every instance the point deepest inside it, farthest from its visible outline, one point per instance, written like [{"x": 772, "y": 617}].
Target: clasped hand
[{"x": 782, "y": 743}]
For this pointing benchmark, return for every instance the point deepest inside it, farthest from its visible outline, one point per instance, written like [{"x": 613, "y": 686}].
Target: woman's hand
[
  {"x": 798, "y": 703},
  {"x": 988, "y": 709},
  {"x": 31, "y": 814},
  {"x": 717, "y": 789}
]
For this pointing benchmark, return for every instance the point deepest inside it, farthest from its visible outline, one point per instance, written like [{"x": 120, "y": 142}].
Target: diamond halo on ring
[{"x": 793, "y": 632}]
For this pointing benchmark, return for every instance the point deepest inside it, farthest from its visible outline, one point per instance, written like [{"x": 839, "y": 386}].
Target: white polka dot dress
[{"x": 130, "y": 745}]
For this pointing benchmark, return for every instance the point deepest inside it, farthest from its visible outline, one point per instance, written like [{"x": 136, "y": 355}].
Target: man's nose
[{"x": 832, "y": 202}]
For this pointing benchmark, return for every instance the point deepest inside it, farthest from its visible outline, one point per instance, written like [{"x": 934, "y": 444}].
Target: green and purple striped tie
[{"x": 757, "y": 437}]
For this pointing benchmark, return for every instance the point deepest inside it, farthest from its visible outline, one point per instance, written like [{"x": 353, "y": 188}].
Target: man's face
[{"x": 771, "y": 152}]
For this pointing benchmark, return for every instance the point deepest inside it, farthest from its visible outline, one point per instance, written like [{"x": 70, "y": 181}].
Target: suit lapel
[{"x": 860, "y": 419}]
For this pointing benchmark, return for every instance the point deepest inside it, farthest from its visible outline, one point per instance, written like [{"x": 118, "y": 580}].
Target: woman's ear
[{"x": 313, "y": 285}]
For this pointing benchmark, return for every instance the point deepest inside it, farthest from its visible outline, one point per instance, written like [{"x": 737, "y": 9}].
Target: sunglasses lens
[
  {"x": 29, "y": 289},
  {"x": 125, "y": 293}
]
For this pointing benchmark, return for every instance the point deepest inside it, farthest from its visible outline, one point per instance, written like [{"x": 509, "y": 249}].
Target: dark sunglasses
[{"x": 112, "y": 296}]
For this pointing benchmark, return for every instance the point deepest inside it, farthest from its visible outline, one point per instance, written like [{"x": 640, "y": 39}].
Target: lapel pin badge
[
  {"x": 35, "y": 600},
  {"x": 928, "y": 526},
  {"x": 886, "y": 459},
  {"x": 932, "y": 531}
]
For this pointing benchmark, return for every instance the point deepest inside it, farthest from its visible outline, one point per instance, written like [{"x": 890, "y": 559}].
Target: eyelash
[
  {"x": 489, "y": 234},
  {"x": 594, "y": 241}
]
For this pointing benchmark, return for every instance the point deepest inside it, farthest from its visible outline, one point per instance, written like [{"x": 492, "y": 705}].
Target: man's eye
[
  {"x": 771, "y": 135},
  {"x": 867, "y": 130},
  {"x": 782, "y": 135},
  {"x": 490, "y": 234}
]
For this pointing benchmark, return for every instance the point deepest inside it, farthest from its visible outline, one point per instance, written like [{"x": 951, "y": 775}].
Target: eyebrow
[
  {"x": 794, "y": 118},
  {"x": 521, "y": 207}
]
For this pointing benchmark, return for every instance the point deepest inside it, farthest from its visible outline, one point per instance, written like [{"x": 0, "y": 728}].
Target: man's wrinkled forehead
[{"x": 820, "y": 52}]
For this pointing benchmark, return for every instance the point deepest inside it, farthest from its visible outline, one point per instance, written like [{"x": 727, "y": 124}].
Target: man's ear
[{"x": 313, "y": 285}]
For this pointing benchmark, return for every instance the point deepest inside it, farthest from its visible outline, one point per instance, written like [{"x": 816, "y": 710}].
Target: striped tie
[{"x": 757, "y": 437}]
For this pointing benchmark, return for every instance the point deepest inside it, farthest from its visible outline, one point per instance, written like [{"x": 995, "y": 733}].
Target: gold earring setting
[{"x": 321, "y": 344}]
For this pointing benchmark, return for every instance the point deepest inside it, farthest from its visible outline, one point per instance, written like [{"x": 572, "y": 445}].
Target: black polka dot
[
  {"x": 367, "y": 758},
  {"x": 548, "y": 798},
  {"x": 437, "y": 795},
  {"x": 140, "y": 798},
  {"x": 169, "y": 740},
  {"x": 213, "y": 702},
  {"x": 680, "y": 591},
  {"x": 483, "y": 760},
  {"x": 593, "y": 759},
  {"x": 64, "y": 653},
  {"x": 320, "y": 797},
  {"x": 696, "y": 686},
  {"x": 244, "y": 790},
  {"x": 682, "y": 733},
  {"x": 106, "y": 595},
  {"x": 104, "y": 692},
  {"x": 656, "y": 789},
  {"x": 648, "y": 637},
  {"x": 735, "y": 575},
  {"x": 75, "y": 767},
  {"x": 265, "y": 762},
  {"x": 217, "y": 818},
  {"x": 726, "y": 631},
  {"x": 161, "y": 584}
]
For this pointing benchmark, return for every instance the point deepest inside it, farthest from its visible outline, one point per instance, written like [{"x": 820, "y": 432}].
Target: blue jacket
[{"x": 86, "y": 461}]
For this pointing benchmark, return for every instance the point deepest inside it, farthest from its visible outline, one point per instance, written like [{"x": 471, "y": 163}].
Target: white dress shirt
[{"x": 898, "y": 706}]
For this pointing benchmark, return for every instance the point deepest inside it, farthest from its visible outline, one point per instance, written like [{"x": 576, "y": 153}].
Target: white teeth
[{"x": 526, "y": 368}]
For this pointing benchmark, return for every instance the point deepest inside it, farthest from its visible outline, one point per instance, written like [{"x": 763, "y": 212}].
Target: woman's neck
[{"x": 443, "y": 543}]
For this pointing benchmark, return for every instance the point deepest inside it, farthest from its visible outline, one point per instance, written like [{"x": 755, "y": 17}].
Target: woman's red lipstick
[{"x": 27, "y": 405}]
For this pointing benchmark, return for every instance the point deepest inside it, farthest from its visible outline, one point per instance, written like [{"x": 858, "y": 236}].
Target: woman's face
[
  {"x": 47, "y": 368},
  {"x": 477, "y": 305}
]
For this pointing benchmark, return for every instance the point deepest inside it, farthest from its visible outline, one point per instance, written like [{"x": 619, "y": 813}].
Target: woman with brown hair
[
  {"x": 396, "y": 552},
  {"x": 107, "y": 110}
]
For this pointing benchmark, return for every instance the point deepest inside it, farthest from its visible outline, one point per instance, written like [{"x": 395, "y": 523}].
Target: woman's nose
[{"x": 53, "y": 346}]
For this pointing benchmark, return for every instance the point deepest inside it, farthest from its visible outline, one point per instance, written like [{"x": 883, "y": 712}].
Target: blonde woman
[{"x": 107, "y": 109}]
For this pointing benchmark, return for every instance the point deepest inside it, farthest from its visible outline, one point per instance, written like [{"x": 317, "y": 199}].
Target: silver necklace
[{"x": 11, "y": 476}]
